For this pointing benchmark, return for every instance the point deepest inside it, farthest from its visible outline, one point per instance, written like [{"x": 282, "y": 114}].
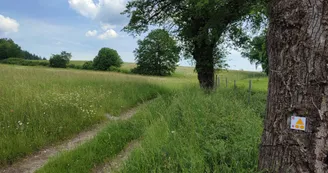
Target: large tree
[
  {"x": 199, "y": 24},
  {"x": 157, "y": 54},
  {"x": 298, "y": 85}
]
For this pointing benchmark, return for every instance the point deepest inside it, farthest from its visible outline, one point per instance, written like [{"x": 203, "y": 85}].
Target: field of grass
[
  {"x": 183, "y": 130},
  {"x": 40, "y": 106},
  {"x": 188, "y": 131}
]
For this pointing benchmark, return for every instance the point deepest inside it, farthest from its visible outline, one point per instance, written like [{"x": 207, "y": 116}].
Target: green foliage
[
  {"x": 8, "y": 49},
  {"x": 24, "y": 62},
  {"x": 157, "y": 54},
  {"x": 71, "y": 66},
  {"x": 60, "y": 60},
  {"x": 106, "y": 58},
  {"x": 88, "y": 65},
  {"x": 28, "y": 55},
  {"x": 201, "y": 25},
  {"x": 256, "y": 52}
]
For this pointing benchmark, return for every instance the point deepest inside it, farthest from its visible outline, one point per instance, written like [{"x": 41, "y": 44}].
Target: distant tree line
[
  {"x": 9, "y": 49},
  {"x": 157, "y": 54}
]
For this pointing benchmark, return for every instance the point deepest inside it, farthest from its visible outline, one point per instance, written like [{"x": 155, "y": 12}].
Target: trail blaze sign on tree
[{"x": 298, "y": 123}]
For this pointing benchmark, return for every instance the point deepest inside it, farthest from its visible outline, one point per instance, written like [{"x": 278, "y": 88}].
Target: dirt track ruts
[{"x": 34, "y": 162}]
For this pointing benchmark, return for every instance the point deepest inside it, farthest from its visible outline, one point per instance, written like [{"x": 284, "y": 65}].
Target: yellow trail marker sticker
[{"x": 298, "y": 123}]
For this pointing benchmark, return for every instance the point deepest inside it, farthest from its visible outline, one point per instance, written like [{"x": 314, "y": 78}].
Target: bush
[
  {"x": 88, "y": 65},
  {"x": 114, "y": 69},
  {"x": 21, "y": 61},
  {"x": 71, "y": 66},
  {"x": 44, "y": 63},
  {"x": 157, "y": 54},
  {"x": 60, "y": 60},
  {"x": 107, "y": 58},
  {"x": 18, "y": 61}
]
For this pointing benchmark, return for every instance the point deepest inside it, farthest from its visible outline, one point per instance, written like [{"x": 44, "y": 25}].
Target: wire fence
[{"x": 218, "y": 85}]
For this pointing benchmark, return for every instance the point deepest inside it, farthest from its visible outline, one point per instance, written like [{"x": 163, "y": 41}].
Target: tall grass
[
  {"x": 202, "y": 133},
  {"x": 189, "y": 131},
  {"x": 40, "y": 106}
]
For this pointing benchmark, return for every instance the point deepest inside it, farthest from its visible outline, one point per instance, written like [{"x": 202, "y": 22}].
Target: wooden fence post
[
  {"x": 250, "y": 91},
  {"x": 234, "y": 84},
  {"x": 226, "y": 82},
  {"x": 216, "y": 81}
]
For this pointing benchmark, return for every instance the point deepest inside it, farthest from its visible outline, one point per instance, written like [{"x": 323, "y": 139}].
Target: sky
[{"x": 82, "y": 27}]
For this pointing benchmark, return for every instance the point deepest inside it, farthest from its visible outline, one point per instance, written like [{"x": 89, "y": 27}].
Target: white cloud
[
  {"x": 107, "y": 11},
  {"x": 106, "y": 26},
  {"x": 8, "y": 25},
  {"x": 91, "y": 33},
  {"x": 86, "y": 8},
  {"x": 108, "y": 34}
]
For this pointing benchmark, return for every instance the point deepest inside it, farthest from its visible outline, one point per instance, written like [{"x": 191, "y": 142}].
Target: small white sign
[{"x": 298, "y": 123}]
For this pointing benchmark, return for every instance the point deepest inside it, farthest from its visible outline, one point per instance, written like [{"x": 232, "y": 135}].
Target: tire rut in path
[
  {"x": 34, "y": 162},
  {"x": 116, "y": 163}
]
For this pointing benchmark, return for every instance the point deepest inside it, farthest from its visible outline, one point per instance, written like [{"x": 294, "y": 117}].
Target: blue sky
[{"x": 82, "y": 27}]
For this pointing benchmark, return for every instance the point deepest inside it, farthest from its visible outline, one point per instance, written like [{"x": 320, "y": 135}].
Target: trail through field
[
  {"x": 117, "y": 162},
  {"x": 33, "y": 162}
]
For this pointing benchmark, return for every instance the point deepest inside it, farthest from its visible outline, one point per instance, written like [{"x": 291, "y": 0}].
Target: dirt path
[
  {"x": 116, "y": 163},
  {"x": 33, "y": 162}
]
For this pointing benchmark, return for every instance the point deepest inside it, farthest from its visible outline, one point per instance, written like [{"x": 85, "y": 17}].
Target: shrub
[
  {"x": 71, "y": 66},
  {"x": 18, "y": 61},
  {"x": 88, "y": 65},
  {"x": 21, "y": 61},
  {"x": 44, "y": 63},
  {"x": 115, "y": 69},
  {"x": 107, "y": 58},
  {"x": 60, "y": 60},
  {"x": 157, "y": 54}
]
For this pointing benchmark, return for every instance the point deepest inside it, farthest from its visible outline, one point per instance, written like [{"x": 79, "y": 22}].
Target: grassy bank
[
  {"x": 41, "y": 106},
  {"x": 188, "y": 131}
]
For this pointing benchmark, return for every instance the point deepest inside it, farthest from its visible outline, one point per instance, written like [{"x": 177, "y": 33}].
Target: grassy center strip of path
[{"x": 108, "y": 143}]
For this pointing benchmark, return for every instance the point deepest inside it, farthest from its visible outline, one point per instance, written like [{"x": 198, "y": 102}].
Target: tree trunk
[
  {"x": 203, "y": 54},
  {"x": 298, "y": 61}
]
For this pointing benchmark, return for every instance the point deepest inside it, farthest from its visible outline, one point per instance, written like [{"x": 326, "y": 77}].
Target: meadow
[
  {"x": 40, "y": 106},
  {"x": 182, "y": 130}
]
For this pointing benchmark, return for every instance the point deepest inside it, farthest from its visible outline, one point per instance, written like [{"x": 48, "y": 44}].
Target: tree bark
[
  {"x": 298, "y": 62},
  {"x": 203, "y": 54}
]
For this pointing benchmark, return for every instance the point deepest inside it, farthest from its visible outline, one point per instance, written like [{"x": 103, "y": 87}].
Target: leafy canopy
[
  {"x": 107, "y": 58},
  {"x": 157, "y": 54},
  {"x": 201, "y": 26},
  {"x": 256, "y": 52},
  {"x": 9, "y": 49},
  {"x": 60, "y": 60}
]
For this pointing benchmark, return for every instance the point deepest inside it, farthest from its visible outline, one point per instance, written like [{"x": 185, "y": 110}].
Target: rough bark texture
[
  {"x": 298, "y": 59},
  {"x": 205, "y": 65}
]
